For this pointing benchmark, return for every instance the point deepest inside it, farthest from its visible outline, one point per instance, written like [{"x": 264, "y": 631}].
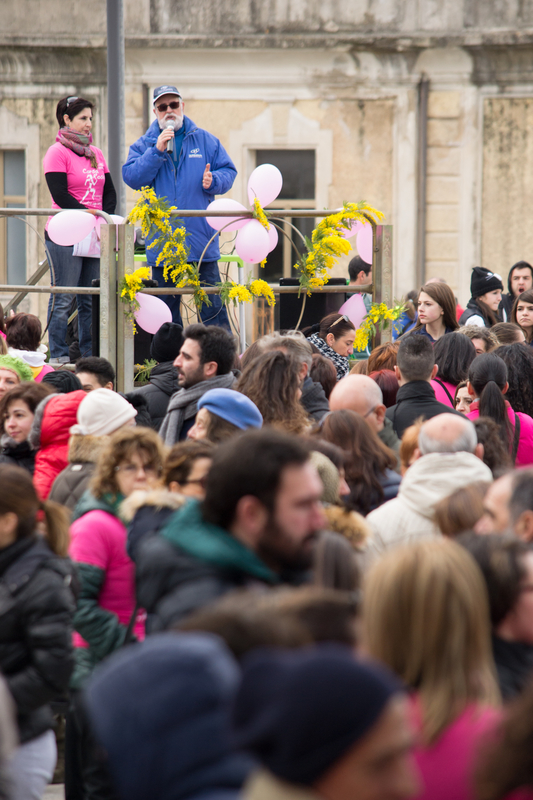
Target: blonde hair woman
[{"x": 426, "y": 616}]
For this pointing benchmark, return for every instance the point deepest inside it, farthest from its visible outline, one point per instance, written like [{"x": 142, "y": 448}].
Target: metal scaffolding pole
[{"x": 116, "y": 107}]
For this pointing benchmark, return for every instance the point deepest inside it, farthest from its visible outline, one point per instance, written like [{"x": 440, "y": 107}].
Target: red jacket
[{"x": 50, "y": 434}]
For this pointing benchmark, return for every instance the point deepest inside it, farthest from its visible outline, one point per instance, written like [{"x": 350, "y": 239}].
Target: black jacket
[
  {"x": 506, "y": 306},
  {"x": 472, "y": 309},
  {"x": 314, "y": 399},
  {"x": 36, "y": 609},
  {"x": 18, "y": 455},
  {"x": 163, "y": 384},
  {"x": 514, "y": 665},
  {"x": 415, "y": 399}
]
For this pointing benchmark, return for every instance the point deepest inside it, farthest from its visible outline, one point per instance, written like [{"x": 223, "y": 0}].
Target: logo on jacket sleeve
[{"x": 195, "y": 153}]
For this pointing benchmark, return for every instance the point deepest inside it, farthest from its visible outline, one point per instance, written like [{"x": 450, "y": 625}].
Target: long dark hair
[
  {"x": 490, "y": 316},
  {"x": 367, "y": 458},
  {"x": 525, "y": 297},
  {"x": 442, "y": 294},
  {"x": 454, "y": 353},
  {"x": 488, "y": 376}
]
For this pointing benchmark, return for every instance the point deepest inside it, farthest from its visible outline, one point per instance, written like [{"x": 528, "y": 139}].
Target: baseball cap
[{"x": 161, "y": 90}]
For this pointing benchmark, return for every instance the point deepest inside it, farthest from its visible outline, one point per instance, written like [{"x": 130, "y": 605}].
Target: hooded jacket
[
  {"x": 163, "y": 384},
  {"x": 36, "y": 609},
  {"x": 71, "y": 484},
  {"x": 145, "y": 513},
  {"x": 191, "y": 563},
  {"x": 49, "y": 435},
  {"x": 18, "y": 454},
  {"x": 411, "y": 516},
  {"x": 147, "y": 166},
  {"x": 107, "y": 597}
]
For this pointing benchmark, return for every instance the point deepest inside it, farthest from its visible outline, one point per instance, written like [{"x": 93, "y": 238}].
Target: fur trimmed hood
[
  {"x": 158, "y": 498},
  {"x": 85, "y": 449}
]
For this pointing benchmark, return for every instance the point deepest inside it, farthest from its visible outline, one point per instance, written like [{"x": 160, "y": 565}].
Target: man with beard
[
  {"x": 257, "y": 526},
  {"x": 188, "y": 166},
  {"x": 204, "y": 362}
]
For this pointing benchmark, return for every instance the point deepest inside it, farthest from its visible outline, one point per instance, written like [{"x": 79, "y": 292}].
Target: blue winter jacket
[{"x": 147, "y": 166}]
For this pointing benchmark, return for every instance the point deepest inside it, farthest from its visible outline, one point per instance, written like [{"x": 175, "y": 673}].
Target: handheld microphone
[{"x": 170, "y": 143}]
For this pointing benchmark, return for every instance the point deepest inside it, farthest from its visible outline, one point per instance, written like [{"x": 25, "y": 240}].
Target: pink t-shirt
[
  {"x": 447, "y": 767},
  {"x": 99, "y": 539},
  {"x": 84, "y": 183}
]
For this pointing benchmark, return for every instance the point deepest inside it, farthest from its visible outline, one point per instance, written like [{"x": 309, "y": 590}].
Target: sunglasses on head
[
  {"x": 71, "y": 100},
  {"x": 162, "y": 107},
  {"x": 342, "y": 317}
]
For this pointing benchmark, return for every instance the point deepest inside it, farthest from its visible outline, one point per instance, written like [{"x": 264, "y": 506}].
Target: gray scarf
[{"x": 184, "y": 405}]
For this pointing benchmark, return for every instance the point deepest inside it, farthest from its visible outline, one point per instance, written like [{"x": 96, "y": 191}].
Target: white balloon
[
  {"x": 70, "y": 226},
  {"x": 265, "y": 183},
  {"x": 252, "y": 243},
  {"x": 273, "y": 236},
  {"x": 225, "y": 204}
]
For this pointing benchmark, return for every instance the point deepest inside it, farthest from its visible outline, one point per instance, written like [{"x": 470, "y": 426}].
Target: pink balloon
[
  {"x": 355, "y": 226},
  {"x": 225, "y": 204},
  {"x": 355, "y": 309},
  {"x": 265, "y": 183},
  {"x": 365, "y": 243},
  {"x": 70, "y": 226},
  {"x": 253, "y": 242},
  {"x": 152, "y": 312},
  {"x": 273, "y": 236}
]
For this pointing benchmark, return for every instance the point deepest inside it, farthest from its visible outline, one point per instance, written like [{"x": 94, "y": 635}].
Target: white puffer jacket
[{"x": 410, "y": 516}]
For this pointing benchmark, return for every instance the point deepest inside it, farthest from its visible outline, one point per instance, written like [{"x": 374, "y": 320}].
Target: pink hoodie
[{"x": 524, "y": 456}]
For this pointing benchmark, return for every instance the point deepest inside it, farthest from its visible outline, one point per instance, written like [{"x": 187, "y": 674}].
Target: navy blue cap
[
  {"x": 161, "y": 90},
  {"x": 232, "y": 406}
]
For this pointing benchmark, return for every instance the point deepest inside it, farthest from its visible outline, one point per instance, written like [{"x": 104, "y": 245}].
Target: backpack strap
[
  {"x": 450, "y": 398},
  {"x": 516, "y": 437}
]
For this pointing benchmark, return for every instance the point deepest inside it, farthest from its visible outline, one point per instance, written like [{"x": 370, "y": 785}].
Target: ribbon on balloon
[{"x": 254, "y": 241}]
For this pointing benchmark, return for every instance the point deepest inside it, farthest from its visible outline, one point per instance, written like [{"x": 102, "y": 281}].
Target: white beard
[{"x": 173, "y": 119}]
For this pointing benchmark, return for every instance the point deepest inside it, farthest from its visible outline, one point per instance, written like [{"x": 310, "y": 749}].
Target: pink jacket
[
  {"x": 99, "y": 539},
  {"x": 440, "y": 393},
  {"x": 447, "y": 767},
  {"x": 524, "y": 456}
]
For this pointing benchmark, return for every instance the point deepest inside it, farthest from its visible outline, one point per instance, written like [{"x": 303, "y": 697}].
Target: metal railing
[{"x": 117, "y": 258}]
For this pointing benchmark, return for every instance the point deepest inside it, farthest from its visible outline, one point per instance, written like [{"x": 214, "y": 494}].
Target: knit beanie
[
  {"x": 232, "y": 406},
  {"x": 102, "y": 412},
  {"x": 167, "y": 342},
  {"x": 63, "y": 380},
  {"x": 299, "y": 712},
  {"x": 483, "y": 280},
  {"x": 17, "y": 366}
]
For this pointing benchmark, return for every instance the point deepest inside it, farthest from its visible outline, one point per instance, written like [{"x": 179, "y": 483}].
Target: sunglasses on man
[{"x": 162, "y": 107}]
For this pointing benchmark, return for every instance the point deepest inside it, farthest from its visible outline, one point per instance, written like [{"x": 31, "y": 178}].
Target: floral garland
[
  {"x": 245, "y": 293},
  {"x": 154, "y": 215},
  {"x": 327, "y": 243},
  {"x": 379, "y": 316},
  {"x": 130, "y": 284}
]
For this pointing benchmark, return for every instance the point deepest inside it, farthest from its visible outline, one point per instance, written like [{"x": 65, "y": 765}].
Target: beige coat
[{"x": 263, "y": 785}]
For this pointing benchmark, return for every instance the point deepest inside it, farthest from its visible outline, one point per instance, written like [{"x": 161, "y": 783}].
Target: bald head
[
  {"x": 447, "y": 433},
  {"x": 361, "y": 394}
]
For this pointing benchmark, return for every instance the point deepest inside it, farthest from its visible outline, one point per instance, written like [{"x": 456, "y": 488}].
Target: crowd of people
[{"x": 275, "y": 573}]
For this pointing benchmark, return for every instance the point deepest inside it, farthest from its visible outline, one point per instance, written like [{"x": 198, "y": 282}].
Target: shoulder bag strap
[
  {"x": 450, "y": 398},
  {"x": 516, "y": 437}
]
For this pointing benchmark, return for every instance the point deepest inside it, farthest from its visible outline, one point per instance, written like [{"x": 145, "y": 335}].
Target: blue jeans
[
  {"x": 69, "y": 270},
  {"x": 214, "y": 314}
]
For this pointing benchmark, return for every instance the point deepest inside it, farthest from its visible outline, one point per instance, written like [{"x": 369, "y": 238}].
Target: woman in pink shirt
[
  {"x": 77, "y": 177},
  {"x": 426, "y": 616},
  {"x": 487, "y": 385}
]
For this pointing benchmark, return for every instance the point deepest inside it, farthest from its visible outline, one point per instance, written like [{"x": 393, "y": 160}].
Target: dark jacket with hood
[
  {"x": 70, "y": 485},
  {"x": 163, "y": 384},
  {"x": 36, "y": 609},
  {"x": 145, "y": 513},
  {"x": 18, "y": 454},
  {"x": 415, "y": 399},
  {"x": 190, "y": 564},
  {"x": 514, "y": 666}
]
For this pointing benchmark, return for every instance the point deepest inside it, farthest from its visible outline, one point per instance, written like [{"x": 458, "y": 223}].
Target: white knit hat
[{"x": 101, "y": 412}]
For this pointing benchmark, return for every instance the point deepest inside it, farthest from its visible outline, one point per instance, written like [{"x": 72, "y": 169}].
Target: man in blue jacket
[{"x": 188, "y": 166}]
